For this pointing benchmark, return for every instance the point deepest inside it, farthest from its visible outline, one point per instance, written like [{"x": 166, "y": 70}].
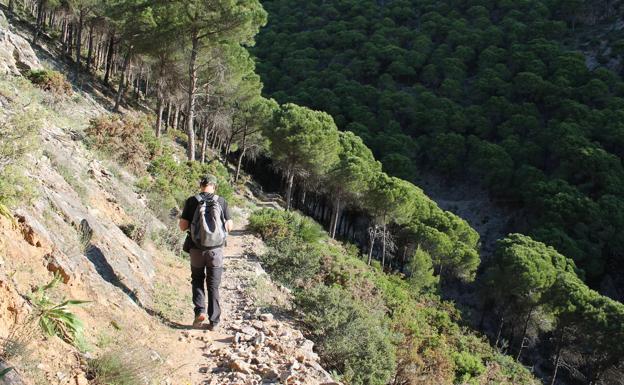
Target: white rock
[
  {"x": 16, "y": 53},
  {"x": 266, "y": 317}
]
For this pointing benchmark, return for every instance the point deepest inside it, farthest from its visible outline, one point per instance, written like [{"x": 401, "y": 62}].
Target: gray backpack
[{"x": 208, "y": 225}]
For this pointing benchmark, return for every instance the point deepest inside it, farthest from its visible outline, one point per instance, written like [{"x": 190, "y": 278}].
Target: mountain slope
[
  {"x": 78, "y": 213},
  {"x": 485, "y": 93}
]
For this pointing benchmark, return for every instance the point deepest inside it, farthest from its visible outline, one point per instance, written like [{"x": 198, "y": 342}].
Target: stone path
[{"x": 251, "y": 347}]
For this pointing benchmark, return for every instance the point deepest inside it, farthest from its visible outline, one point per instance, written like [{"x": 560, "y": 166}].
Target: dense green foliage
[
  {"x": 370, "y": 326},
  {"x": 529, "y": 281},
  {"x": 303, "y": 142},
  {"x": 484, "y": 89},
  {"x": 306, "y": 144}
]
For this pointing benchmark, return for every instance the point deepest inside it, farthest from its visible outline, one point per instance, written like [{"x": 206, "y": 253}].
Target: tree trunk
[
  {"x": 334, "y": 222},
  {"x": 190, "y": 116},
  {"x": 557, "y": 357},
  {"x": 524, "y": 332},
  {"x": 109, "y": 58},
  {"x": 500, "y": 330},
  {"x": 370, "y": 251},
  {"x": 238, "y": 165},
  {"x": 70, "y": 40},
  {"x": 96, "y": 56},
  {"x": 122, "y": 81},
  {"x": 168, "y": 114},
  {"x": 79, "y": 41},
  {"x": 159, "y": 116},
  {"x": 90, "y": 49},
  {"x": 176, "y": 116},
  {"x": 204, "y": 144},
  {"x": 242, "y": 153},
  {"x": 64, "y": 33},
  {"x": 383, "y": 244},
  {"x": 39, "y": 21},
  {"x": 291, "y": 179}
]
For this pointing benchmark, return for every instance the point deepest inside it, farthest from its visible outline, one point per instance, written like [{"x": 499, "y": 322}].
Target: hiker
[{"x": 207, "y": 218}]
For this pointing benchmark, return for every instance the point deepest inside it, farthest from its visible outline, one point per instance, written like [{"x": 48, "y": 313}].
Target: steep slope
[
  {"x": 486, "y": 93},
  {"x": 78, "y": 213}
]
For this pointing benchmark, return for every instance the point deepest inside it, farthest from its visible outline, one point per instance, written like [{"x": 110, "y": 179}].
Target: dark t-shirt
[{"x": 191, "y": 205}]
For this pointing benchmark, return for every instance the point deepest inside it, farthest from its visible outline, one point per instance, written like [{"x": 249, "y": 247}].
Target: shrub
[
  {"x": 170, "y": 238},
  {"x": 134, "y": 232},
  {"x": 127, "y": 139},
  {"x": 50, "y": 81},
  {"x": 275, "y": 224},
  {"x": 368, "y": 325},
  {"x": 468, "y": 367},
  {"x": 133, "y": 367},
  {"x": 350, "y": 337},
  {"x": 420, "y": 268},
  {"x": 292, "y": 262},
  {"x": 172, "y": 182},
  {"x": 269, "y": 224}
]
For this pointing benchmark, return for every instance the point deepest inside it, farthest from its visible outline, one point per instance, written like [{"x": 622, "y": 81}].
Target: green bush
[
  {"x": 136, "y": 232},
  {"x": 171, "y": 182},
  {"x": 351, "y": 338},
  {"x": 50, "y": 81},
  {"x": 275, "y": 224},
  {"x": 468, "y": 367},
  {"x": 292, "y": 262}
]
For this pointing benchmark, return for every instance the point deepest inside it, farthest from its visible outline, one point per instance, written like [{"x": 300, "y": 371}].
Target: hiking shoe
[
  {"x": 214, "y": 327},
  {"x": 199, "y": 320}
]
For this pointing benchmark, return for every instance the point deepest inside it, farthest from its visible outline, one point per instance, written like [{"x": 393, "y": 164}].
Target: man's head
[{"x": 208, "y": 183}]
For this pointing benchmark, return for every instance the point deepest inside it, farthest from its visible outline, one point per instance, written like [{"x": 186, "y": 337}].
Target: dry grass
[
  {"x": 124, "y": 367},
  {"x": 122, "y": 138},
  {"x": 51, "y": 81}
]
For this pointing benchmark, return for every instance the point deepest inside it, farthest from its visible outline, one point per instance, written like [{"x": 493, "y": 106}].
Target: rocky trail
[{"x": 251, "y": 346}]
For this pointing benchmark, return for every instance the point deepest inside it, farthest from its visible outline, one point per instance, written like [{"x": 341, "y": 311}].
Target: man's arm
[
  {"x": 187, "y": 215},
  {"x": 227, "y": 214}
]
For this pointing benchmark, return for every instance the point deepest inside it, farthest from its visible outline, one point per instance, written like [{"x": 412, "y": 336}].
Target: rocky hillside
[{"x": 76, "y": 217}]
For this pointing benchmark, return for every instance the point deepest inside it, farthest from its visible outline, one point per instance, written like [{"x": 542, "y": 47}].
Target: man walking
[{"x": 208, "y": 219}]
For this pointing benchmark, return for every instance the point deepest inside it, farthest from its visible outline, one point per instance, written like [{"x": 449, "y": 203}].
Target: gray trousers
[{"x": 207, "y": 266}]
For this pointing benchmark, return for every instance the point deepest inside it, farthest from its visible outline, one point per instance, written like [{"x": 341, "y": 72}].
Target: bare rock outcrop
[{"x": 16, "y": 54}]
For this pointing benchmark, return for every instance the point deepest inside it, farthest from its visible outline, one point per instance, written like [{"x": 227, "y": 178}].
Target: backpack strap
[
  {"x": 199, "y": 198},
  {"x": 216, "y": 199}
]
